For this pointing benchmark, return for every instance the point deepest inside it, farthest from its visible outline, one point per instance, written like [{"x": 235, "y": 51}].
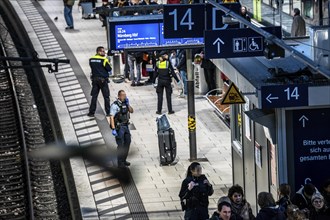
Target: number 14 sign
[
  {"x": 184, "y": 22},
  {"x": 278, "y": 96}
]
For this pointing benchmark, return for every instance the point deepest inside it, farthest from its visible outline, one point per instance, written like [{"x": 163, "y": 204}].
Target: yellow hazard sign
[
  {"x": 232, "y": 96},
  {"x": 191, "y": 123}
]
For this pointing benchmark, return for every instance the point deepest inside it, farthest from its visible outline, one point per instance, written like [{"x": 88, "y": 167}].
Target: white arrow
[
  {"x": 270, "y": 98},
  {"x": 218, "y": 41},
  {"x": 303, "y": 119}
]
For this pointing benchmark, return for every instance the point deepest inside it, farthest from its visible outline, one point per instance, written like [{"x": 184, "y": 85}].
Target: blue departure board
[{"x": 136, "y": 35}]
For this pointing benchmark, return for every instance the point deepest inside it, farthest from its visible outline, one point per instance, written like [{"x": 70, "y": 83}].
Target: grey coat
[{"x": 298, "y": 28}]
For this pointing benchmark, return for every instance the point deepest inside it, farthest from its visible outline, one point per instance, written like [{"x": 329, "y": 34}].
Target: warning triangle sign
[{"x": 232, "y": 96}]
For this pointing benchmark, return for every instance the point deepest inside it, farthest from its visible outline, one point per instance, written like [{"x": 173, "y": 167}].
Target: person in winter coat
[
  {"x": 268, "y": 210},
  {"x": 319, "y": 211},
  {"x": 284, "y": 197},
  {"x": 238, "y": 204},
  {"x": 194, "y": 193},
  {"x": 298, "y": 28},
  {"x": 303, "y": 196}
]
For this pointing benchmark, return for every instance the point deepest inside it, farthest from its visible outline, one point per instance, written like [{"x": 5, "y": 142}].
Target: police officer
[
  {"x": 101, "y": 69},
  {"x": 119, "y": 121},
  {"x": 164, "y": 71}
]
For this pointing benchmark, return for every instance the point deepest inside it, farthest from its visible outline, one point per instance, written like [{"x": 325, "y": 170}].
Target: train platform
[
  {"x": 270, "y": 16},
  {"x": 153, "y": 193}
]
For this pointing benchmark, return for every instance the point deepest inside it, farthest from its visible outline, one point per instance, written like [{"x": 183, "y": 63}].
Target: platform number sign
[
  {"x": 184, "y": 21},
  {"x": 277, "y": 96},
  {"x": 292, "y": 93}
]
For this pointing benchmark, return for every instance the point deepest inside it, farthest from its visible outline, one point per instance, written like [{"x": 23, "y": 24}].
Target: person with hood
[
  {"x": 268, "y": 209},
  {"x": 284, "y": 192},
  {"x": 303, "y": 196},
  {"x": 319, "y": 211},
  {"x": 239, "y": 205},
  {"x": 298, "y": 28},
  {"x": 194, "y": 193}
]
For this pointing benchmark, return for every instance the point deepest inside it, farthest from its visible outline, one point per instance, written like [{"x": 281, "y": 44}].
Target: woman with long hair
[{"x": 194, "y": 193}]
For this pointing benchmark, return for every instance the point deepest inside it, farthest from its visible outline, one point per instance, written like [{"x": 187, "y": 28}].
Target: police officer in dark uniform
[
  {"x": 164, "y": 71},
  {"x": 119, "y": 121},
  {"x": 101, "y": 70}
]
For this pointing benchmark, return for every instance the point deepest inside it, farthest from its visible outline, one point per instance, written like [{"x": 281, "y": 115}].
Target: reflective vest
[
  {"x": 100, "y": 66},
  {"x": 122, "y": 117},
  {"x": 163, "y": 70}
]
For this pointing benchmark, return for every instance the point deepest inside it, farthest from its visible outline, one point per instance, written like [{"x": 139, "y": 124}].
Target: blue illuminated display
[
  {"x": 144, "y": 33},
  {"x": 177, "y": 41},
  {"x": 136, "y": 35}
]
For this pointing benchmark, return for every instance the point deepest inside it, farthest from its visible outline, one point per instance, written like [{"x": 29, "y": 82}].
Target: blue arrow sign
[
  {"x": 277, "y": 96},
  {"x": 242, "y": 42}
]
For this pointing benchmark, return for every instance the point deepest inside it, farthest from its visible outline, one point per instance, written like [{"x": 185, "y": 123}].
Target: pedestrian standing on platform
[
  {"x": 182, "y": 67},
  {"x": 238, "y": 204},
  {"x": 268, "y": 209},
  {"x": 68, "y": 5},
  {"x": 194, "y": 193},
  {"x": 134, "y": 62},
  {"x": 223, "y": 212},
  {"x": 319, "y": 211},
  {"x": 209, "y": 74},
  {"x": 164, "y": 71},
  {"x": 119, "y": 122},
  {"x": 298, "y": 28},
  {"x": 303, "y": 197},
  {"x": 101, "y": 70},
  {"x": 244, "y": 14},
  {"x": 284, "y": 201}
]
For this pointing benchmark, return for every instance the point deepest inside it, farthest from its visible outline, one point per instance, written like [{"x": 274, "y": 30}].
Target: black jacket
[
  {"x": 164, "y": 71},
  {"x": 323, "y": 214},
  {"x": 100, "y": 66},
  {"x": 199, "y": 195},
  {"x": 300, "y": 200},
  {"x": 182, "y": 65},
  {"x": 283, "y": 203},
  {"x": 270, "y": 213}
]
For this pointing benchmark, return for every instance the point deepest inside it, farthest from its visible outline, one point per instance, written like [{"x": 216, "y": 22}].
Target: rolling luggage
[
  {"x": 167, "y": 146},
  {"x": 87, "y": 10}
]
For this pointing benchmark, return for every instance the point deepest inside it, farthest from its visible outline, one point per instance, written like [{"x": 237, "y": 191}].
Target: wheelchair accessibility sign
[
  {"x": 242, "y": 42},
  {"x": 255, "y": 44}
]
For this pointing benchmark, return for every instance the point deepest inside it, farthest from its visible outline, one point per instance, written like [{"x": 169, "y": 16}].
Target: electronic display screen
[
  {"x": 136, "y": 35},
  {"x": 148, "y": 33},
  {"x": 177, "y": 41}
]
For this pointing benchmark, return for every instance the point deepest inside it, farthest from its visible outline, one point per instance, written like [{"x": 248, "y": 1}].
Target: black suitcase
[{"x": 167, "y": 146}]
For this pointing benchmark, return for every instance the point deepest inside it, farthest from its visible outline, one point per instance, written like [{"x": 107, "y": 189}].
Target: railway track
[{"x": 26, "y": 185}]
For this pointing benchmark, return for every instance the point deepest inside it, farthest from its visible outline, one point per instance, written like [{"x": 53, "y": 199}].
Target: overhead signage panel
[
  {"x": 230, "y": 43},
  {"x": 278, "y": 96},
  {"x": 311, "y": 140},
  {"x": 184, "y": 21}
]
